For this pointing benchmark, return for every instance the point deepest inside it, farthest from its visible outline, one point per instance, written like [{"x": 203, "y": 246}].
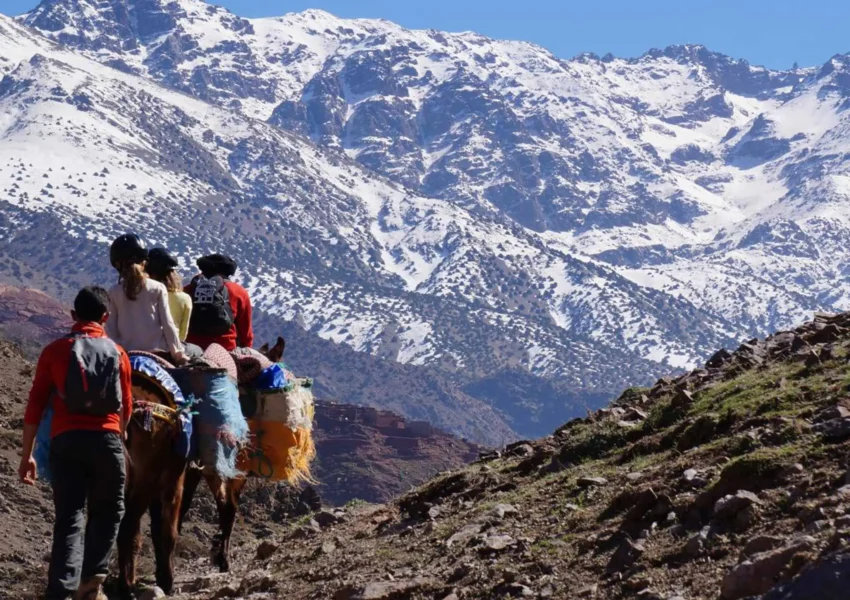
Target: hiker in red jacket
[
  {"x": 221, "y": 309},
  {"x": 86, "y": 377}
]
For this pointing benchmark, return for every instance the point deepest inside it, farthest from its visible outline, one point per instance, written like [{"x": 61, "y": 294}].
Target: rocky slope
[
  {"x": 31, "y": 319},
  {"x": 375, "y": 456},
  {"x": 728, "y": 482},
  {"x": 527, "y": 234}
]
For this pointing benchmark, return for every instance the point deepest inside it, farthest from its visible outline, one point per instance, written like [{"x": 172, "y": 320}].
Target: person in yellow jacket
[{"x": 162, "y": 267}]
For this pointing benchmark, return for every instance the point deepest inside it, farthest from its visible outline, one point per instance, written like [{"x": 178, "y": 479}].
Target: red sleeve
[
  {"x": 126, "y": 387},
  {"x": 42, "y": 387},
  {"x": 244, "y": 326}
]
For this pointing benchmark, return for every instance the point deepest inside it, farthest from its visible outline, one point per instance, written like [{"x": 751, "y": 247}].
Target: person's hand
[
  {"x": 180, "y": 359},
  {"x": 27, "y": 470}
]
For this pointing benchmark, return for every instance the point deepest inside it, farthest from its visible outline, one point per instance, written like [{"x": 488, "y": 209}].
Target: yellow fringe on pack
[
  {"x": 277, "y": 453},
  {"x": 300, "y": 457}
]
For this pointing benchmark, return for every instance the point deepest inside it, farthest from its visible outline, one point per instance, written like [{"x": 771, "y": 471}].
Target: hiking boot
[{"x": 91, "y": 589}]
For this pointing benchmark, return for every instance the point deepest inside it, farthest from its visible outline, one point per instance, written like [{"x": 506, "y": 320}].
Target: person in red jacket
[
  {"x": 92, "y": 404},
  {"x": 221, "y": 309}
]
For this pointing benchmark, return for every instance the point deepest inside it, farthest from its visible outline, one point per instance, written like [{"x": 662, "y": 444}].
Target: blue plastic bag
[{"x": 271, "y": 378}]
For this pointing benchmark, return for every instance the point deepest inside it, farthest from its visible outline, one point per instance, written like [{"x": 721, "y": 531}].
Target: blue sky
[{"x": 775, "y": 33}]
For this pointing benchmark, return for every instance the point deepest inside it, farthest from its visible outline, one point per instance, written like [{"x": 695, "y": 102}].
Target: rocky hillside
[
  {"x": 375, "y": 456},
  {"x": 728, "y": 482},
  {"x": 528, "y": 234},
  {"x": 31, "y": 319}
]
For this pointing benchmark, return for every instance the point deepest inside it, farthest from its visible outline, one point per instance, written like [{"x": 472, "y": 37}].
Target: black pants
[{"x": 86, "y": 466}]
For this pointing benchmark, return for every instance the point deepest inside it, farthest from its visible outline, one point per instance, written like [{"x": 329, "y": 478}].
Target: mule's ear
[
  {"x": 281, "y": 342},
  {"x": 264, "y": 348}
]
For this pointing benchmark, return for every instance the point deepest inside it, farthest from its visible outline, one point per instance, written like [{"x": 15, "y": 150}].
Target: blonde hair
[
  {"x": 174, "y": 282},
  {"x": 132, "y": 278}
]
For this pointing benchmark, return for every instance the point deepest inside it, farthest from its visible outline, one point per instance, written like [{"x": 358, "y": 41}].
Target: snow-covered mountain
[{"x": 537, "y": 231}]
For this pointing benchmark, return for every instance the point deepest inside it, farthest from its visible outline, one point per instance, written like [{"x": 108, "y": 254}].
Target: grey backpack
[{"x": 93, "y": 382}]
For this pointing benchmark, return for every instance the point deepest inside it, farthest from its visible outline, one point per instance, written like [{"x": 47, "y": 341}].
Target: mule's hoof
[{"x": 164, "y": 581}]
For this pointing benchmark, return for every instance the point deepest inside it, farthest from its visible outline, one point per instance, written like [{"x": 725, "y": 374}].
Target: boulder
[
  {"x": 266, "y": 549},
  {"x": 831, "y": 412},
  {"x": 642, "y": 504},
  {"x": 635, "y": 414},
  {"x": 500, "y": 511},
  {"x": 811, "y": 514},
  {"x": 497, "y": 543},
  {"x": 465, "y": 534},
  {"x": 523, "y": 450},
  {"x": 310, "y": 529},
  {"x": 843, "y": 493},
  {"x": 586, "y": 482},
  {"x": 625, "y": 556},
  {"x": 699, "y": 432},
  {"x": 693, "y": 479},
  {"x": 697, "y": 544},
  {"x": 828, "y": 579},
  {"x": 758, "y": 574},
  {"x": 830, "y": 333},
  {"x": 729, "y": 506},
  {"x": 682, "y": 399},
  {"x": 326, "y": 518},
  {"x": 834, "y": 430},
  {"x": 718, "y": 359},
  {"x": 383, "y": 590},
  {"x": 326, "y": 548}
]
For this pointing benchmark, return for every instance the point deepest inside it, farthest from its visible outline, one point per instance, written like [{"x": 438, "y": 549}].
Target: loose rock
[
  {"x": 586, "y": 482},
  {"x": 729, "y": 506},
  {"x": 625, "y": 556},
  {"x": 266, "y": 549},
  {"x": 759, "y": 574},
  {"x": 383, "y": 590}
]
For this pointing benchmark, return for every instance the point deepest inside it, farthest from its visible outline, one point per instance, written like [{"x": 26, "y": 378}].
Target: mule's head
[{"x": 275, "y": 353}]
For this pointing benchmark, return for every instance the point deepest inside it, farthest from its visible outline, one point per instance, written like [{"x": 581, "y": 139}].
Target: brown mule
[{"x": 155, "y": 477}]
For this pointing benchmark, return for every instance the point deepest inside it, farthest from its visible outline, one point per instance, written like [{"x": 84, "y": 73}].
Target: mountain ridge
[{"x": 476, "y": 207}]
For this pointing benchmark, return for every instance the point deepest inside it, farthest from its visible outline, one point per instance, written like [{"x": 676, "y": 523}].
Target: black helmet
[
  {"x": 127, "y": 249},
  {"x": 161, "y": 262},
  {"x": 217, "y": 264}
]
